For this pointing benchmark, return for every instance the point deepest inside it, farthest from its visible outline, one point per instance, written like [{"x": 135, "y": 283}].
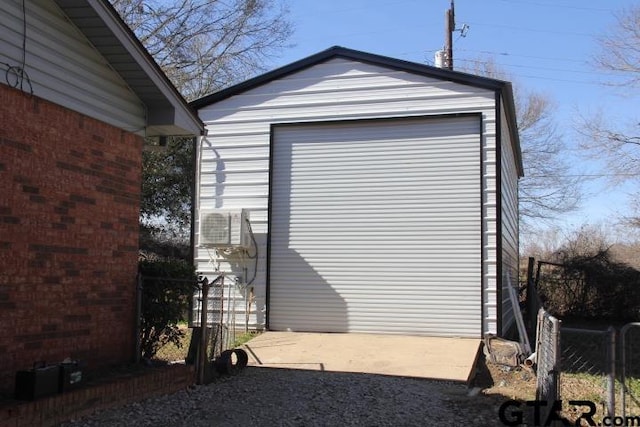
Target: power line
[
  {"x": 532, "y": 30},
  {"x": 588, "y": 175},
  {"x": 555, "y": 5},
  {"x": 476, "y": 61},
  {"x": 488, "y": 52},
  {"x": 507, "y": 74},
  {"x": 553, "y": 79},
  {"x": 367, "y": 7}
]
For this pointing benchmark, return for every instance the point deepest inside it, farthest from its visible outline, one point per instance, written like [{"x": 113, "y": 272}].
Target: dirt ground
[
  {"x": 491, "y": 387},
  {"x": 506, "y": 382},
  {"x": 496, "y": 384}
]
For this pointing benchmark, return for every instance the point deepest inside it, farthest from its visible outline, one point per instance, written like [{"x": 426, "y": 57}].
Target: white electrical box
[{"x": 224, "y": 228}]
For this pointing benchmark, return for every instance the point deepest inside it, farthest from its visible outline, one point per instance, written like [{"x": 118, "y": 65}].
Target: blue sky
[{"x": 544, "y": 44}]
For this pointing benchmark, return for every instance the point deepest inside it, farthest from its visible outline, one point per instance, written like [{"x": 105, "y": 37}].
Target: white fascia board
[{"x": 189, "y": 123}]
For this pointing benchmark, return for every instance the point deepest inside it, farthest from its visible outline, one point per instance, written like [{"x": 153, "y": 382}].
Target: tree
[
  {"x": 620, "y": 49},
  {"x": 617, "y": 142},
  {"x": 165, "y": 208},
  {"x": 202, "y": 46},
  {"x": 545, "y": 191}
]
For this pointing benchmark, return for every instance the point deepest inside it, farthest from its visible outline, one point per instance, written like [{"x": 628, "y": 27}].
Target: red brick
[{"x": 59, "y": 228}]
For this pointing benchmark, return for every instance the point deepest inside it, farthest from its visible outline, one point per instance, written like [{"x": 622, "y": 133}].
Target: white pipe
[{"x": 531, "y": 360}]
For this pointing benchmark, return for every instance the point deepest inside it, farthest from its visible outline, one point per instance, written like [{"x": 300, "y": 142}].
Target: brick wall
[
  {"x": 69, "y": 204},
  {"x": 113, "y": 392}
]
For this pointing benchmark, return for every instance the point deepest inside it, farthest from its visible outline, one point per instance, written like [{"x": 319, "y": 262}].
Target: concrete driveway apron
[{"x": 451, "y": 359}]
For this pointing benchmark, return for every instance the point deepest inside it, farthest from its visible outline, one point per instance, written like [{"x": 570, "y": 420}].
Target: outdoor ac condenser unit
[{"x": 224, "y": 228}]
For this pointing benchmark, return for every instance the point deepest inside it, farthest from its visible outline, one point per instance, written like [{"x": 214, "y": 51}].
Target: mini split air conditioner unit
[{"x": 224, "y": 228}]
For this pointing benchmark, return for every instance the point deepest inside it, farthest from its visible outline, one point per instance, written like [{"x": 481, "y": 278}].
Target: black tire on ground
[
  {"x": 242, "y": 357},
  {"x": 224, "y": 362}
]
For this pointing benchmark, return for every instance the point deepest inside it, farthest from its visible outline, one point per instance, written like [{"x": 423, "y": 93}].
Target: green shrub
[{"x": 167, "y": 288}]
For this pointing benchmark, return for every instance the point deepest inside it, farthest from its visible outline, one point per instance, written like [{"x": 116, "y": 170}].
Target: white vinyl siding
[
  {"x": 235, "y": 155},
  {"x": 376, "y": 227},
  {"x": 509, "y": 234},
  {"x": 73, "y": 75}
]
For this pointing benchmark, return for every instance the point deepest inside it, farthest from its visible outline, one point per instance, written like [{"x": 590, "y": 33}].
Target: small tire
[
  {"x": 243, "y": 358},
  {"x": 224, "y": 364}
]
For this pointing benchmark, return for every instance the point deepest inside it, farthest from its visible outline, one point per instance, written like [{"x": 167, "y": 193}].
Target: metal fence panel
[
  {"x": 549, "y": 359},
  {"x": 591, "y": 352},
  {"x": 630, "y": 369},
  {"x": 584, "y": 350}
]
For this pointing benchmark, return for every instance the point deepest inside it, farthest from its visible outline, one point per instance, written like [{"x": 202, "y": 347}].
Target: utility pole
[
  {"x": 444, "y": 58},
  {"x": 449, "y": 28}
]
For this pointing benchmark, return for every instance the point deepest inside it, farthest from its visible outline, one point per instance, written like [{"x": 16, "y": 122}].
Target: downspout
[
  {"x": 197, "y": 143},
  {"x": 138, "y": 340},
  {"x": 196, "y": 168}
]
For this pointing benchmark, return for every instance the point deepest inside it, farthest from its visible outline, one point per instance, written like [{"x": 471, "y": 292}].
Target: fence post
[
  {"x": 611, "y": 368},
  {"x": 532, "y": 306},
  {"x": 623, "y": 366},
  {"x": 549, "y": 358},
  {"x": 623, "y": 369},
  {"x": 139, "y": 289},
  {"x": 202, "y": 353}
]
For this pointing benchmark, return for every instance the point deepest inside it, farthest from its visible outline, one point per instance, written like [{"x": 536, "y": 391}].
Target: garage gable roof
[
  {"x": 502, "y": 88},
  {"x": 167, "y": 111}
]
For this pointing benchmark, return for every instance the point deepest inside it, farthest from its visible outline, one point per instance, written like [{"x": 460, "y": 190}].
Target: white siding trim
[
  {"x": 510, "y": 220},
  {"x": 64, "y": 68}
]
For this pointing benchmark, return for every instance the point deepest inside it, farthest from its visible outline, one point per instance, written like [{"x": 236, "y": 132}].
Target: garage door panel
[{"x": 376, "y": 227}]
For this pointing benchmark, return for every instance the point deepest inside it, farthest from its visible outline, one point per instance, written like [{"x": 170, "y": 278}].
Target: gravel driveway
[{"x": 279, "y": 397}]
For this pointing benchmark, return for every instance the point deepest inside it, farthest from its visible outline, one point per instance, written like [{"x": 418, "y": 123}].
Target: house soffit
[{"x": 106, "y": 31}]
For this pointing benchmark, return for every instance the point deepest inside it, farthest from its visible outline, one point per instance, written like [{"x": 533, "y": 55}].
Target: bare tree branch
[
  {"x": 204, "y": 45},
  {"x": 620, "y": 48},
  {"x": 546, "y": 191},
  {"x": 610, "y": 139}
]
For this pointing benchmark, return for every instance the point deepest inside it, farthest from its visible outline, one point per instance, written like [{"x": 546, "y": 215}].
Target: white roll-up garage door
[{"x": 376, "y": 227}]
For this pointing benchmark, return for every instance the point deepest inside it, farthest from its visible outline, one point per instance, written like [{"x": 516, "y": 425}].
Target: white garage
[{"x": 382, "y": 195}]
